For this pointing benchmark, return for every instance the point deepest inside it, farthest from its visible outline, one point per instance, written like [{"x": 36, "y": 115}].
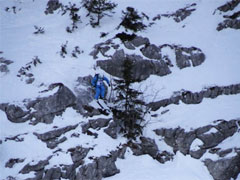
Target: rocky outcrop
[
  {"x": 189, "y": 97},
  {"x": 4, "y": 65},
  {"x": 78, "y": 154},
  {"x": 182, "y": 141},
  {"x": 42, "y": 109},
  {"x": 15, "y": 113},
  {"x": 142, "y": 69},
  {"x": 51, "y": 137},
  {"x": 102, "y": 167},
  {"x": 148, "y": 146},
  {"x": 37, "y": 167},
  {"x": 224, "y": 169},
  {"x": 229, "y": 6},
  {"x": 95, "y": 124},
  {"x": 179, "y": 15},
  {"x": 11, "y": 162},
  {"x": 231, "y": 21},
  {"x": 52, "y": 6},
  {"x": 185, "y": 57}
]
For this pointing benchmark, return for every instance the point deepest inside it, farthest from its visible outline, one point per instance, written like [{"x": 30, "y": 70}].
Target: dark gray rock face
[
  {"x": 95, "y": 124},
  {"x": 47, "y": 107},
  {"x": 38, "y": 167},
  {"x": 229, "y": 6},
  {"x": 142, "y": 69},
  {"x": 224, "y": 169},
  {"x": 229, "y": 23},
  {"x": 102, "y": 167},
  {"x": 187, "y": 56},
  {"x": 112, "y": 130},
  {"x": 15, "y": 113},
  {"x": 189, "y": 97},
  {"x": 181, "y": 140},
  {"x": 11, "y": 162},
  {"x": 180, "y": 14},
  {"x": 52, "y": 6},
  {"x": 139, "y": 41},
  {"x": 151, "y": 51},
  {"x": 51, "y": 137},
  {"x": 78, "y": 154},
  {"x": 53, "y": 173},
  {"x": 84, "y": 93},
  {"x": 89, "y": 171},
  {"x": 4, "y": 65},
  {"x": 148, "y": 146}
]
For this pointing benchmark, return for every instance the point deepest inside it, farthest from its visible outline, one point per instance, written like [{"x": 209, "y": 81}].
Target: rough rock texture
[
  {"x": 229, "y": 6},
  {"x": 84, "y": 93},
  {"x": 112, "y": 130},
  {"x": 51, "y": 137},
  {"x": 181, "y": 140},
  {"x": 11, "y": 162},
  {"x": 151, "y": 51},
  {"x": 47, "y": 107},
  {"x": 224, "y": 169},
  {"x": 44, "y": 108},
  {"x": 189, "y": 97},
  {"x": 187, "y": 56},
  {"x": 52, "y": 6},
  {"x": 180, "y": 14},
  {"x": 4, "y": 65},
  {"x": 78, "y": 154},
  {"x": 142, "y": 69},
  {"x": 148, "y": 146},
  {"x": 15, "y": 113},
  {"x": 95, "y": 124},
  {"x": 53, "y": 173},
  {"x": 229, "y": 23},
  {"x": 37, "y": 167}
]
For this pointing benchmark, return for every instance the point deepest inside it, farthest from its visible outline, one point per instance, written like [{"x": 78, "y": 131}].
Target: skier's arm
[
  {"x": 106, "y": 79},
  {"x": 93, "y": 82}
]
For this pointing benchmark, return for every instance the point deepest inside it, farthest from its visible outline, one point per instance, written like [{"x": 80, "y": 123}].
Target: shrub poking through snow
[
  {"x": 73, "y": 13},
  {"x": 63, "y": 51},
  {"x": 97, "y": 9},
  {"x": 129, "y": 107},
  {"x": 131, "y": 20},
  {"x": 76, "y": 51},
  {"x": 39, "y": 30}
]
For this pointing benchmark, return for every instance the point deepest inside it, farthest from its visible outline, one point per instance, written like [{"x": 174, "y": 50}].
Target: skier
[{"x": 98, "y": 83}]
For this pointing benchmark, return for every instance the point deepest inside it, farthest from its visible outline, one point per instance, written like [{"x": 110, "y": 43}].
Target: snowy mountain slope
[{"x": 75, "y": 146}]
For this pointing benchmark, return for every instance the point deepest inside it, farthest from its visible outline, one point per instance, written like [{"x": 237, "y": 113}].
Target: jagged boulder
[
  {"x": 189, "y": 97},
  {"x": 51, "y": 137},
  {"x": 37, "y": 167},
  {"x": 84, "y": 93},
  {"x": 224, "y": 169},
  {"x": 185, "y": 57},
  {"x": 142, "y": 68},
  {"x": 53, "y": 173},
  {"x": 229, "y": 23},
  {"x": 229, "y": 6},
  {"x": 182, "y": 141},
  {"x": 151, "y": 51},
  {"x": 148, "y": 146},
  {"x": 47, "y": 107},
  {"x": 78, "y": 154},
  {"x": 15, "y": 113},
  {"x": 95, "y": 124},
  {"x": 180, "y": 14},
  {"x": 11, "y": 162}
]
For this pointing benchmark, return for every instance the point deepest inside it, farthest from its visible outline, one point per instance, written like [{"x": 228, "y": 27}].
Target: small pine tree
[
  {"x": 97, "y": 9},
  {"x": 128, "y": 111},
  {"x": 132, "y": 20}
]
